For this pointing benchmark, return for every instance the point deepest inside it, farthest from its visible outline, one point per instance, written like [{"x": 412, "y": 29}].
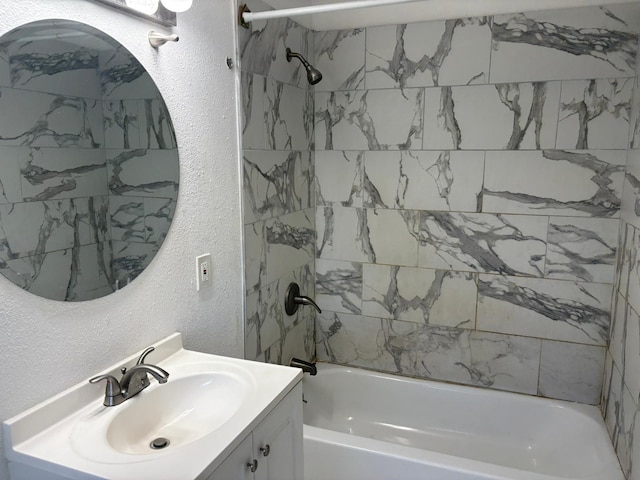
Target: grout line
[
  {"x": 538, "y": 392},
  {"x": 488, "y": 82}
]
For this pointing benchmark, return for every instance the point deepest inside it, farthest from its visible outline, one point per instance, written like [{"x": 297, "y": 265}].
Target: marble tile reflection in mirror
[{"x": 88, "y": 162}]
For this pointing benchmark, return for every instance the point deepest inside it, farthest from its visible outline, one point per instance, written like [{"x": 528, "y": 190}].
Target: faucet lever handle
[
  {"x": 112, "y": 388},
  {"x": 292, "y": 299},
  {"x": 144, "y": 354},
  {"x": 304, "y": 300}
]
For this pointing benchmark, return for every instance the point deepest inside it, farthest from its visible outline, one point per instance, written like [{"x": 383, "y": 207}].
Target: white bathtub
[{"x": 362, "y": 425}]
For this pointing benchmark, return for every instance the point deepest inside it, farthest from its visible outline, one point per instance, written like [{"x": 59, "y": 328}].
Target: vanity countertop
[{"x": 67, "y": 434}]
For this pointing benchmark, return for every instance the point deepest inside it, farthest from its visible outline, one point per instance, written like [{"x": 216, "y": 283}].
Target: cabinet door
[
  {"x": 235, "y": 465},
  {"x": 277, "y": 441}
]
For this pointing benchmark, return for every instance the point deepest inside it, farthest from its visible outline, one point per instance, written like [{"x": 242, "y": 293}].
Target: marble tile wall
[
  {"x": 278, "y": 195},
  {"x": 78, "y": 219},
  {"x": 469, "y": 183},
  {"x": 54, "y": 200},
  {"x": 621, "y": 390},
  {"x": 142, "y": 164}
]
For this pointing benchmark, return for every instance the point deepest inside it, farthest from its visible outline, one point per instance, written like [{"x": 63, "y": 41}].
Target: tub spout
[{"x": 307, "y": 367}]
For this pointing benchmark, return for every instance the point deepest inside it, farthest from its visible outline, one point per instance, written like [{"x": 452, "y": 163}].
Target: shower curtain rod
[
  {"x": 488, "y": 7},
  {"x": 249, "y": 16}
]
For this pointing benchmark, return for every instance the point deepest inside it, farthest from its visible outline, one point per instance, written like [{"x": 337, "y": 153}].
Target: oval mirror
[{"x": 88, "y": 162}]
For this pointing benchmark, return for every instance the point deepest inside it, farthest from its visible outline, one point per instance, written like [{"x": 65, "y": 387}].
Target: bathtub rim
[
  {"x": 452, "y": 463},
  {"x": 611, "y": 469},
  {"x": 593, "y": 412}
]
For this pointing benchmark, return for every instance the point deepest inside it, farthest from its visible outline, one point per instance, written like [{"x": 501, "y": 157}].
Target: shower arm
[{"x": 303, "y": 60}]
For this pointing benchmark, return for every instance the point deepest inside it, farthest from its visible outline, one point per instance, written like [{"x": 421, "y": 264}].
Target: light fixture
[
  {"x": 148, "y": 7},
  {"x": 177, "y": 6}
]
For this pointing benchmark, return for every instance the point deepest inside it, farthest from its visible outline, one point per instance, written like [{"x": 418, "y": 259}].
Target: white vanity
[{"x": 216, "y": 418}]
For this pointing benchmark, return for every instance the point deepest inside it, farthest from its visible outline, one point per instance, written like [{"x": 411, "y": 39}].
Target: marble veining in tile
[
  {"x": 59, "y": 68},
  {"x": 543, "y": 308},
  {"x": 434, "y": 297},
  {"x": 48, "y": 173},
  {"x": 142, "y": 172},
  {"x": 451, "y": 52},
  {"x": 621, "y": 413},
  {"x": 254, "y": 133},
  {"x": 10, "y": 178},
  {"x": 44, "y": 120},
  {"x": 633, "y": 258},
  {"x": 506, "y": 244},
  {"x": 127, "y": 218},
  {"x": 339, "y": 55},
  {"x": 35, "y": 228},
  {"x": 255, "y": 269},
  {"x": 263, "y": 49},
  {"x": 435, "y": 352},
  {"x": 554, "y": 182},
  {"x": 582, "y": 249},
  {"x": 275, "y": 183},
  {"x": 595, "y": 113},
  {"x": 122, "y": 124},
  {"x": 440, "y": 180},
  {"x": 288, "y": 117},
  {"x": 130, "y": 259},
  {"x": 590, "y": 42},
  {"x": 343, "y": 234},
  {"x": 344, "y": 189},
  {"x": 523, "y": 116},
  {"x": 290, "y": 239},
  {"x": 267, "y": 322},
  {"x": 618, "y": 331},
  {"x": 63, "y": 275},
  {"x": 411, "y": 217},
  {"x": 400, "y": 248},
  {"x": 570, "y": 371},
  {"x": 339, "y": 286},
  {"x": 634, "y": 121},
  {"x": 156, "y": 129},
  {"x": 5, "y": 71},
  {"x": 626, "y": 350},
  {"x": 28, "y": 67},
  {"x": 631, "y": 191},
  {"x": 46, "y": 247},
  {"x": 114, "y": 77},
  {"x": 158, "y": 214},
  {"x": 140, "y": 219},
  {"x": 369, "y": 120}
]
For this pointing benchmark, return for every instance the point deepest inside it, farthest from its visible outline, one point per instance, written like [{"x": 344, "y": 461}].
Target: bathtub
[{"x": 362, "y": 425}]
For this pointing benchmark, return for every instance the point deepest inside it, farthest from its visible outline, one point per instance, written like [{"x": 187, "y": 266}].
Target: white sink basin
[
  {"x": 206, "y": 407},
  {"x": 181, "y": 411},
  {"x": 197, "y": 400}
]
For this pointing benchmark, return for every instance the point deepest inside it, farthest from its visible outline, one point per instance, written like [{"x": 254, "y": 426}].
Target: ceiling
[{"x": 425, "y": 10}]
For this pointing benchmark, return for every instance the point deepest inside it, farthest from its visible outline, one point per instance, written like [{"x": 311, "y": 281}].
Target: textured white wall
[{"x": 46, "y": 346}]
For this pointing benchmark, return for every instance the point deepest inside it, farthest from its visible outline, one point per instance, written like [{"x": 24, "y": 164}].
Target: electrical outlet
[{"x": 203, "y": 270}]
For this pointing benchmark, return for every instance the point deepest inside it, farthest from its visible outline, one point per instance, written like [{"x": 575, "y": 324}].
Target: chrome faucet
[
  {"x": 141, "y": 376},
  {"x": 133, "y": 380}
]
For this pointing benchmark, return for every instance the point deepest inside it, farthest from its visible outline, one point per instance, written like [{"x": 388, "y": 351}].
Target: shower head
[{"x": 313, "y": 75}]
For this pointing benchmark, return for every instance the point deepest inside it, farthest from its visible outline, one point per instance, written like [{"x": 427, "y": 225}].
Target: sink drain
[{"x": 159, "y": 443}]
